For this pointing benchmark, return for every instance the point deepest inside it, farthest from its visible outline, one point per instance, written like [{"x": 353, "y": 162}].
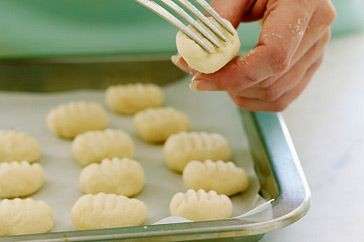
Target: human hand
[{"x": 289, "y": 51}]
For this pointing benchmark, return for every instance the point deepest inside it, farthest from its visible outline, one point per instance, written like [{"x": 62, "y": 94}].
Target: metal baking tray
[{"x": 276, "y": 162}]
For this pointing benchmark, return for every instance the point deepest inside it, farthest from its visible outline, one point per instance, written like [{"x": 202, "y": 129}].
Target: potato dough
[
  {"x": 18, "y": 179},
  {"x": 157, "y": 124},
  {"x": 69, "y": 120},
  {"x": 132, "y": 98},
  {"x": 95, "y": 146},
  {"x": 184, "y": 147},
  {"x": 119, "y": 176},
  {"x": 198, "y": 59},
  {"x": 107, "y": 211},
  {"x": 222, "y": 177},
  {"x": 24, "y": 216},
  {"x": 200, "y": 205},
  {"x": 18, "y": 146}
]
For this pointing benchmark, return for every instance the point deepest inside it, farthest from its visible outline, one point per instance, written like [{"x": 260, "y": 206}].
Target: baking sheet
[{"x": 208, "y": 112}]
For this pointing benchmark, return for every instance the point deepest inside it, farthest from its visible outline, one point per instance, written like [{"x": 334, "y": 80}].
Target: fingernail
[
  {"x": 193, "y": 85},
  {"x": 175, "y": 59}
]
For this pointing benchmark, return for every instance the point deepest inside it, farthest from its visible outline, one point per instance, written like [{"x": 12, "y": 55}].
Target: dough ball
[
  {"x": 119, "y": 176},
  {"x": 222, "y": 177},
  {"x": 95, "y": 146},
  {"x": 181, "y": 148},
  {"x": 200, "y": 205},
  {"x": 202, "y": 61},
  {"x": 132, "y": 98},
  {"x": 69, "y": 120},
  {"x": 24, "y": 216},
  {"x": 157, "y": 124},
  {"x": 18, "y": 146},
  {"x": 107, "y": 211},
  {"x": 19, "y": 179}
]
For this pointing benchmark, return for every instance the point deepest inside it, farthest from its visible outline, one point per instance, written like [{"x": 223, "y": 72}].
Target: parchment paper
[{"x": 208, "y": 112}]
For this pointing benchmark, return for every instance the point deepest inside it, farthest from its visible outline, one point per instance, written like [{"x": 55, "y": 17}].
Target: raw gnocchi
[
  {"x": 18, "y": 146},
  {"x": 157, "y": 124},
  {"x": 107, "y": 211},
  {"x": 181, "y": 148},
  {"x": 132, "y": 98},
  {"x": 19, "y": 179},
  {"x": 200, "y": 205},
  {"x": 24, "y": 216},
  {"x": 94, "y": 146},
  {"x": 202, "y": 61},
  {"x": 69, "y": 120},
  {"x": 222, "y": 177},
  {"x": 119, "y": 176}
]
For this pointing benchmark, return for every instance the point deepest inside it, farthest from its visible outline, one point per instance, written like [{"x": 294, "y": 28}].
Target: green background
[{"x": 53, "y": 28}]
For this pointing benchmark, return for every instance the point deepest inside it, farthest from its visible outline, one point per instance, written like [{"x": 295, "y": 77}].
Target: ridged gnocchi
[
  {"x": 19, "y": 179},
  {"x": 24, "y": 216},
  {"x": 69, "y": 120},
  {"x": 181, "y": 148},
  {"x": 132, "y": 98},
  {"x": 95, "y": 146},
  {"x": 201, "y": 205},
  {"x": 18, "y": 146},
  {"x": 107, "y": 211},
  {"x": 222, "y": 177},
  {"x": 157, "y": 124},
  {"x": 119, "y": 176}
]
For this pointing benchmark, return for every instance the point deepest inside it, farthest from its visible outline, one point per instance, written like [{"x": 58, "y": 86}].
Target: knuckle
[
  {"x": 279, "y": 60},
  {"x": 328, "y": 13}
]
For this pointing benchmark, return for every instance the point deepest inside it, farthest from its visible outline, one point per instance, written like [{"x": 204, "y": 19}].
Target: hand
[{"x": 289, "y": 51}]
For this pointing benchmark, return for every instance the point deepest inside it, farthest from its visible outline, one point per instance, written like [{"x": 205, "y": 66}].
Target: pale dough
[
  {"x": 69, "y": 120},
  {"x": 202, "y": 61},
  {"x": 132, "y": 98},
  {"x": 119, "y": 176},
  {"x": 200, "y": 205},
  {"x": 19, "y": 179},
  {"x": 157, "y": 124},
  {"x": 95, "y": 146},
  {"x": 222, "y": 177},
  {"x": 107, "y": 211},
  {"x": 181, "y": 148},
  {"x": 24, "y": 216},
  {"x": 18, "y": 146}
]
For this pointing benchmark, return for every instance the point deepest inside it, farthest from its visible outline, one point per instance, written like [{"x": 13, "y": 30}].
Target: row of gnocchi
[{"x": 110, "y": 176}]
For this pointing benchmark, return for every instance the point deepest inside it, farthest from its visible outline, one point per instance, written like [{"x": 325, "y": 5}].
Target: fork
[{"x": 208, "y": 33}]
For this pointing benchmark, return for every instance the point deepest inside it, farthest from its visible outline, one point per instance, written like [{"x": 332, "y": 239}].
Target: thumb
[{"x": 232, "y": 10}]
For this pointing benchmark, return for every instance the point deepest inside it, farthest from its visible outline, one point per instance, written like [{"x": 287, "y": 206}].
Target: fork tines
[{"x": 207, "y": 33}]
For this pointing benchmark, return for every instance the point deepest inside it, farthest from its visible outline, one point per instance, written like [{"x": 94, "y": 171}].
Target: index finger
[{"x": 282, "y": 31}]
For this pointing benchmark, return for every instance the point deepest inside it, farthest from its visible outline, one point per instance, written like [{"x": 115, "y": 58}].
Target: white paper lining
[{"x": 208, "y": 112}]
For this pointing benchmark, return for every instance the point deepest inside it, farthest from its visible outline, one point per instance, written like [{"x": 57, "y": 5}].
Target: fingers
[
  {"x": 278, "y": 42},
  {"x": 232, "y": 10},
  {"x": 282, "y": 102},
  {"x": 290, "y": 79},
  {"x": 178, "y": 61}
]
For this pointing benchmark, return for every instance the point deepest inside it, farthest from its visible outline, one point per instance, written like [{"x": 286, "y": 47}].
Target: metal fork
[{"x": 208, "y": 34}]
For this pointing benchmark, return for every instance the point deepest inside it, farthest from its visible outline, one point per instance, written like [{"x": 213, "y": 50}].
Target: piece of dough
[
  {"x": 18, "y": 146},
  {"x": 107, "y": 211},
  {"x": 202, "y": 61},
  {"x": 24, "y": 216},
  {"x": 184, "y": 147},
  {"x": 132, "y": 98},
  {"x": 69, "y": 120},
  {"x": 95, "y": 146},
  {"x": 222, "y": 177},
  {"x": 157, "y": 124},
  {"x": 19, "y": 179},
  {"x": 119, "y": 176},
  {"x": 200, "y": 205}
]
